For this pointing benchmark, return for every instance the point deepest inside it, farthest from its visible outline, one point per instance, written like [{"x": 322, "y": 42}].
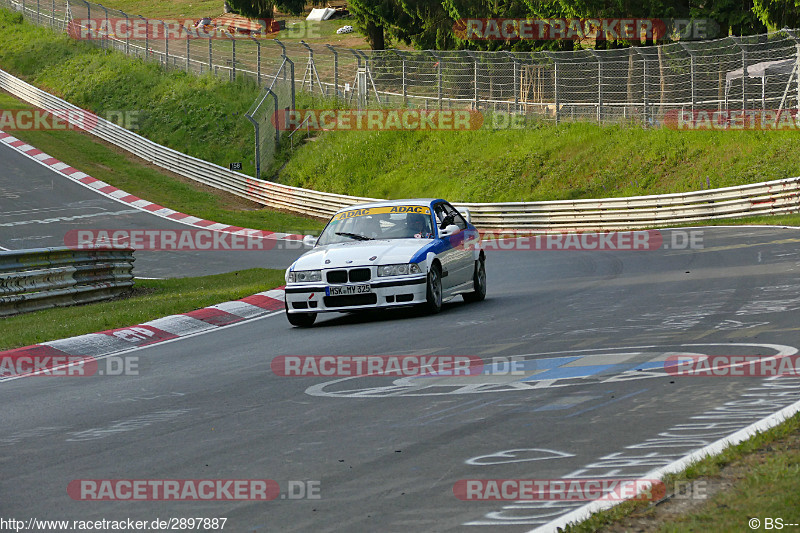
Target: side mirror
[
  {"x": 310, "y": 240},
  {"x": 449, "y": 230}
]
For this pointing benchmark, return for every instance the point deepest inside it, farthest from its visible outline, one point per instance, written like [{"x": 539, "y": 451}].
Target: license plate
[{"x": 345, "y": 290}]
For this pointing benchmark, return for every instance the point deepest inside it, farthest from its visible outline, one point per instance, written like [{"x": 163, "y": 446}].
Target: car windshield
[{"x": 391, "y": 222}]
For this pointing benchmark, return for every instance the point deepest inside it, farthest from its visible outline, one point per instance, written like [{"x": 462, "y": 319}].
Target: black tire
[
  {"x": 434, "y": 292},
  {"x": 479, "y": 282},
  {"x": 301, "y": 320}
]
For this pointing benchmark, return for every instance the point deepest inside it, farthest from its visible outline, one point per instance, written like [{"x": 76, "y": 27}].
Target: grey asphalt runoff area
[
  {"x": 38, "y": 207},
  {"x": 384, "y": 453}
]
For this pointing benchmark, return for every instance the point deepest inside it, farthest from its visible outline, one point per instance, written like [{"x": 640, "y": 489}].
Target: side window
[
  {"x": 458, "y": 220},
  {"x": 439, "y": 211}
]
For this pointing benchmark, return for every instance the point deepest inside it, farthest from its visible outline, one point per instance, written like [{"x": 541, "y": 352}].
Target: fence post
[
  {"x": 691, "y": 72},
  {"x": 599, "y": 86},
  {"x": 438, "y": 77},
  {"x": 88, "y": 13},
  {"x": 555, "y": 85},
  {"x": 38, "y": 15},
  {"x": 188, "y": 53},
  {"x": 258, "y": 60},
  {"x": 737, "y": 40},
  {"x": 474, "y": 78},
  {"x": 291, "y": 67},
  {"x": 335, "y": 71},
  {"x": 797, "y": 46},
  {"x": 166, "y": 44},
  {"x": 233, "y": 56},
  {"x": 127, "y": 34},
  {"x": 210, "y": 56},
  {"x": 107, "y": 36},
  {"x": 146, "y": 37},
  {"x": 517, "y": 81},
  {"x": 53, "y": 14},
  {"x": 258, "y": 145},
  {"x": 644, "y": 82}
]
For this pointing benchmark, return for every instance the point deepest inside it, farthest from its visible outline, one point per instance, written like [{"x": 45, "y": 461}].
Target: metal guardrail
[
  {"x": 40, "y": 278},
  {"x": 768, "y": 198}
]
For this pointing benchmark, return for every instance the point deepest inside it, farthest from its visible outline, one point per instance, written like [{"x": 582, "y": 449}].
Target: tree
[
  {"x": 777, "y": 14},
  {"x": 253, "y": 8}
]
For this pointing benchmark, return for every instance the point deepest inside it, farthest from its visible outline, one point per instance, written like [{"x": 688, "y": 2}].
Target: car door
[
  {"x": 448, "y": 254},
  {"x": 463, "y": 264}
]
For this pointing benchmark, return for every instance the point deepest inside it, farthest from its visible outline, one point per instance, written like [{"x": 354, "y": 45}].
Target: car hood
[{"x": 360, "y": 253}]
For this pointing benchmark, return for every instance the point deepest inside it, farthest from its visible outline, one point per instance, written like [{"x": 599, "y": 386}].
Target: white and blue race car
[{"x": 387, "y": 254}]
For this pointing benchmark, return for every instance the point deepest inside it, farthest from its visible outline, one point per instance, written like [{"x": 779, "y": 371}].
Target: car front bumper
[{"x": 394, "y": 291}]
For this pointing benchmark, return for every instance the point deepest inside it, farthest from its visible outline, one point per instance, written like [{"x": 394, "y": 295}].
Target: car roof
[{"x": 384, "y": 203}]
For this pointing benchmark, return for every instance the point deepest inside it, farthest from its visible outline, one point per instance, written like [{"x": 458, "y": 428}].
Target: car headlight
[
  {"x": 303, "y": 276},
  {"x": 399, "y": 270}
]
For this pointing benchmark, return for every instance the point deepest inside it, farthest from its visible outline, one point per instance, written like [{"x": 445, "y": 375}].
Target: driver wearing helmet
[{"x": 419, "y": 226}]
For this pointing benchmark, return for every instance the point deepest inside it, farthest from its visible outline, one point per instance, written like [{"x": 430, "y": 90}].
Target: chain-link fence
[
  {"x": 636, "y": 84},
  {"x": 265, "y": 114}
]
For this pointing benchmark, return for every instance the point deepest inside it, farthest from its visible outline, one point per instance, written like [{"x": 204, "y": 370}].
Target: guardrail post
[{"x": 335, "y": 71}]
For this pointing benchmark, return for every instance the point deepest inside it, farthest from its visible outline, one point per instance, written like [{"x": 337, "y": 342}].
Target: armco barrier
[
  {"x": 48, "y": 277},
  {"x": 768, "y": 198}
]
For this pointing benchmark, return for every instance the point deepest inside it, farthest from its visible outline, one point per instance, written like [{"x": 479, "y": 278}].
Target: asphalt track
[
  {"x": 594, "y": 328},
  {"x": 38, "y": 208}
]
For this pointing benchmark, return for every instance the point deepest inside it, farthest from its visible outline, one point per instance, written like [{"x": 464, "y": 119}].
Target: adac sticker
[{"x": 420, "y": 209}]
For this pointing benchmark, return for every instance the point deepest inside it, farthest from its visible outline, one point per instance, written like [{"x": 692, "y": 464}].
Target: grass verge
[
  {"x": 569, "y": 161},
  {"x": 150, "y": 299}
]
